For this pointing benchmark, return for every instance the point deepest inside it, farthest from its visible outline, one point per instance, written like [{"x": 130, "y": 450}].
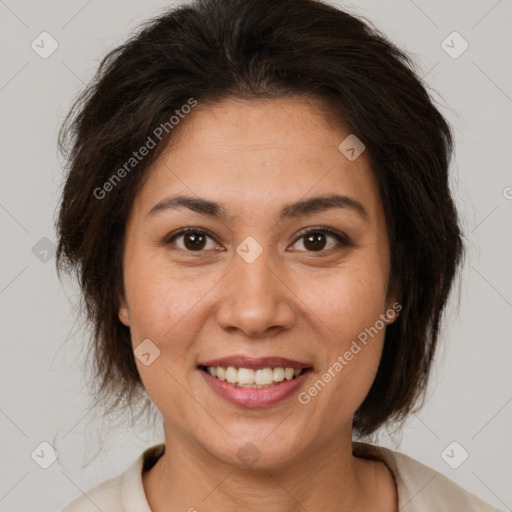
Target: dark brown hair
[{"x": 257, "y": 49}]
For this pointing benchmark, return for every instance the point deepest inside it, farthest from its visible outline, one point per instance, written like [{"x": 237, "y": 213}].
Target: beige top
[{"x": 420, "y": 488}]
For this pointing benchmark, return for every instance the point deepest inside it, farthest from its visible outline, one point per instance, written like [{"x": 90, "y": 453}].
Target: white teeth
[
  {"x": 245, "y": 376},
  {"x": 288, "y": 374},
  {"x": 248, "y": 378},
  {"x": 278, "y": 374},
  {"x": 264, "y": 377},
  {"x": 231, "y": 374}
]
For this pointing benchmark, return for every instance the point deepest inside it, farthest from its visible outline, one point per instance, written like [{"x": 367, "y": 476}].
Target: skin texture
[{"x": 292, "y": 301}]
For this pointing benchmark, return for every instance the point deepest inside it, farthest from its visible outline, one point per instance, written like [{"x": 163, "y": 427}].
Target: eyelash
[{"x": 342, "y": 238}]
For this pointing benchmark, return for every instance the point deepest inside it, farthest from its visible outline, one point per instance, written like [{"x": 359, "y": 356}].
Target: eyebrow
[{"x": 291, "y": 210}]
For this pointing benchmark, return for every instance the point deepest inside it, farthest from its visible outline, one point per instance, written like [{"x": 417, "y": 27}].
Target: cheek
[
  {"x": 346, "y": 302},
  {"x": 347, "y": 309},
  {"x": 350, "y": 358},
  {"x": 160, "y": 298},
  {"x": 163, "y": 309},
  {"x": 167, "y": 307}
]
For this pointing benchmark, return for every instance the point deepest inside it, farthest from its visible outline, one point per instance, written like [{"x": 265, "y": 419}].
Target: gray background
[{"x": 44, "y": 397}]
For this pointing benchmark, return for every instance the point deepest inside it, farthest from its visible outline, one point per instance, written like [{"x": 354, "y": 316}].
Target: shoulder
[
  {"x": 421, "y": 488},
  {"x": 122, "y": 493},
  {"x": 105, "y": 496}
]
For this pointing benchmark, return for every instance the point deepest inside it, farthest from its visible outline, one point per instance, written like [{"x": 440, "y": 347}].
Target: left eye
[{"x": 315, "y": 240}]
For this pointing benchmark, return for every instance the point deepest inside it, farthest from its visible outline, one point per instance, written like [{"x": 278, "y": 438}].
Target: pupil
[
  {"x": 316, "y": 241},
  {"x": 197, "y": 241}
]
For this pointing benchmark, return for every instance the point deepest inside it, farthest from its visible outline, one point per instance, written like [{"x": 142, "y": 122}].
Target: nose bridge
[
  {"x": 255, "y": 274},
  {"x": 255, "y": 298}
]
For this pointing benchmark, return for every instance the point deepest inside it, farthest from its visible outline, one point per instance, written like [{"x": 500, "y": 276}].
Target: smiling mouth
[{"x": 256, "y": 379}]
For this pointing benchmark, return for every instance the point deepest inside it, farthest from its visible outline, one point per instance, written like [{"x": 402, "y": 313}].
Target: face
[{"x": 268, "y": 276}]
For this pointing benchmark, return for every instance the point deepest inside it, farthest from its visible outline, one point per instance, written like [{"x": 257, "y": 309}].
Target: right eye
[{"x": 194, "y": 239}]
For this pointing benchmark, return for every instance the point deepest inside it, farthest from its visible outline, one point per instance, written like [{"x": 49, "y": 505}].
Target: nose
[{"x": 255, "y": 299}]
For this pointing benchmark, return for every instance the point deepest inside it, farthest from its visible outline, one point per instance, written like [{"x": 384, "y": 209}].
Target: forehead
[
  {"x": 300, "y": 124},
  {"x": 258, "y": 153}
]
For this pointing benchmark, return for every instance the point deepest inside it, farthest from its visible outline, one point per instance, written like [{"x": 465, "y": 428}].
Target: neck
[{"x": 187, "y": 477}]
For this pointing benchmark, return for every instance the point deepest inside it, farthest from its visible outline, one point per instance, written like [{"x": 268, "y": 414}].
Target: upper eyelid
[{"x": 325, "y": 229}]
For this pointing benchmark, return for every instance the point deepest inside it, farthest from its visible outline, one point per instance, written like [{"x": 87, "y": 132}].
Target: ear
[
  {"x": 393, "y": 301},
  {"x": 393, "y": 311},
  {"x": 124, "y": 312}
]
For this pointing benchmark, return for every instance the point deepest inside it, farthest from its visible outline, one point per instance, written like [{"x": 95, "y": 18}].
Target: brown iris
[
  {"x": 194, "y": 241},
  {"x": 315, "y": 241}
]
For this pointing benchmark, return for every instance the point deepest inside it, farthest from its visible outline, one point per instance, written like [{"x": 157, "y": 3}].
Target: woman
[{"x": 258, "y": 210}]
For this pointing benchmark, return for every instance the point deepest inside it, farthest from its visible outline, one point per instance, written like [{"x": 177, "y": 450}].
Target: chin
[{"x": 257, "y": 445}]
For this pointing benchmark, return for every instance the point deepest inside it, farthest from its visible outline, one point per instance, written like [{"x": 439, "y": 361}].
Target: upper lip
[{"x": 239, "y": 361}]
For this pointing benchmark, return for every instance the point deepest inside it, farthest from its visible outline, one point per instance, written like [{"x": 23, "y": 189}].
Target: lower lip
[{"x": 253, "y": 398}]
